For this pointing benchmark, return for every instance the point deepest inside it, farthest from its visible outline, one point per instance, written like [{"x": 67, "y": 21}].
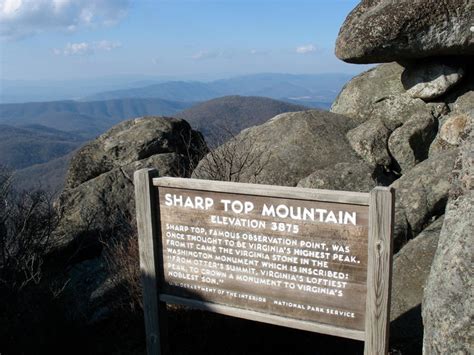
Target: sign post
[{"x": 309, "y": 259}]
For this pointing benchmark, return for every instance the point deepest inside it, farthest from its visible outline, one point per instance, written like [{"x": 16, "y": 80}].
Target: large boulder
[
  {"x": 100, "y": 197},
  {"x": 98, "y": 206},
  {"x": 379, "y": 31},
  {"x": 282, "y": 151},
  {"x": 396, "y": 110},
  {"x": 454, "y": 128},
  {"x": 379, "y": 94},
  {"x": 410, "y": 143},
  {"x": 430, "y": 79},
  {"x": 411, "y": 267},
  {"x": 448, "y": 312},
  {"x": 360, "y": 94},
  {"x": 131, "y": 141},
  {"x": 353, "y": 176},
  {"x": 369, "y": 140},
  {"x": 421, "y": 194}
]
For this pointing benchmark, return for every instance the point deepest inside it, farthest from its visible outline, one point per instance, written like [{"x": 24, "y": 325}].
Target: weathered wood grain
[
  {"x": 356, "y": 198},
  {"x": 147, "y": 228},
  {"x": 315, "y": 306},
  {"x": 265, "y": 318},
  {"x": 379, "y": 271}
]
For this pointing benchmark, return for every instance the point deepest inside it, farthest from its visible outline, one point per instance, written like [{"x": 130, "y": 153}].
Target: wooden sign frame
[{"x": 379, "y": 265}]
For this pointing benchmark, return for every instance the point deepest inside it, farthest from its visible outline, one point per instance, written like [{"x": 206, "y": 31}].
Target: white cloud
[
  {"x": 83, "y": 48},
  {"x": 22, "y": 18},
  {"x": 205, "y": 55},
  {"x": 77, "y": 49},
  {"x": 107, "y": 45},
  {"x": 309, "y": 48}
]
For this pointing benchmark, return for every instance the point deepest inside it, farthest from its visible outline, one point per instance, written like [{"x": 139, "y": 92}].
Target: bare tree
[
  {"x": 238, "y": 158},
  {"x": 27, "y": 221},
  {"x": 122, "y": 259}
]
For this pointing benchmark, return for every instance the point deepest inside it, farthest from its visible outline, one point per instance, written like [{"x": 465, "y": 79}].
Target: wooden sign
[{"x": 309, "y": 259}]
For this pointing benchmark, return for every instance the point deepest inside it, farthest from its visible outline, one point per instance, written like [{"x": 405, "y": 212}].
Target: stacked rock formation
[{"x": 415, "y": 112}]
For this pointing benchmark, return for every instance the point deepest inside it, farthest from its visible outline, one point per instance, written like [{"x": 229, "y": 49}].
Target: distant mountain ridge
[
  {"x": 174, "y": 90},
  {"x": 23, "y": 147},
  {"x": 86, "y": 119},
  {"x": 315, "y": 90}
]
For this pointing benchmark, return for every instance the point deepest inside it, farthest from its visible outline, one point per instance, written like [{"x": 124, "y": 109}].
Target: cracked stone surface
[
  {"x": 448, "y": 312},
  {"x": 99, "y": 195},
  {"x": 411, "y": 267},
  {"x": 378, "y": 31},
  {"x": 131, "y": 141},
  {"x": 421, "y": 194}
]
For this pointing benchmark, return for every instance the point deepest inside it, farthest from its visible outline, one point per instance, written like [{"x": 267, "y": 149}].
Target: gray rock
[
  {"x": 464, "y": 104},
  {"x": 429, "y": 80},
  {"x": 421, "y": 194},
  {"x": 98, "y": 206},
  {"x": 461, "y": 98},
  {"x": 439, "y": 146},
  {"x": 99, "y": 196},
  {"x": 354, "y": 176},
  {"x": 411, "y": 267},
  {"x": 379, "y": 94},
  {"x": 448, "y": 311},
  {"x": 369, "y": 140},
  {"x": 359, "y": 95},
  {"x": 410, "y": 143},
  {"x": 130, "y": 141},
  {"x": 281, "y": 151},
  {"x": 395, "y": 110},
  {"x": 385, "y": 30},
  {"x": 454, "y": 128}
]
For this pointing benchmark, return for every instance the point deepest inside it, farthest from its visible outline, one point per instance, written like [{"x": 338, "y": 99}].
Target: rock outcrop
[
  {"x": 99, "y": 191},
  {"x": 354, "y": 176},
  {"x": 369, "y": 140},
  {"x": 358, "y": 97},
  {"x": 378, "y": 31},
  {"x": 413, "y": 116},
  {"x": 411, "y": 267},
  {"x": 448, "y": 313},
  {"x": 395, "y": 130},
  {"x": 282, "y": 151},
  {"x": 128, "y": 142},
  {"x": 409, "y": 144}
]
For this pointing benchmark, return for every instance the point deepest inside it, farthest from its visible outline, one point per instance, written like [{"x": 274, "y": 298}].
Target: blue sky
[{"x": 71, "y": 39}]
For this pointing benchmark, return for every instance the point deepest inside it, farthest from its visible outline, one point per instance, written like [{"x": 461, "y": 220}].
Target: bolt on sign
[{"x": 315, "y": 260}]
